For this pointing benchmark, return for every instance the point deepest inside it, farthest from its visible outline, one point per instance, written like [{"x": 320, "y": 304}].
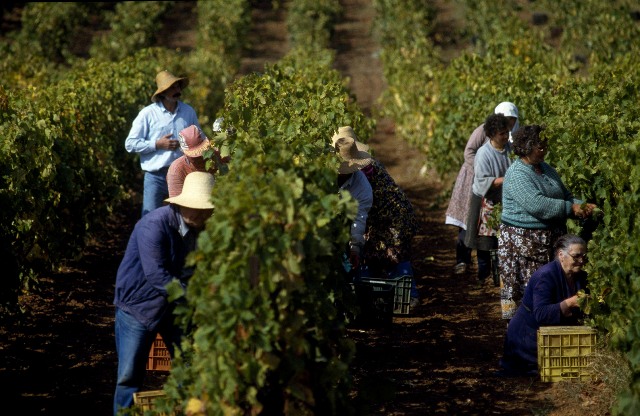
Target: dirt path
[
  {"x": 438, "y": 360},
  {"x": 442, "y": 358}
]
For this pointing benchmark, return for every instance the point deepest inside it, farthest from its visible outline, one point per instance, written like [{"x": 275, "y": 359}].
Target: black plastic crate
[
  {"x": 375, "y": 303},
  {"x": 402, "y": 291}
]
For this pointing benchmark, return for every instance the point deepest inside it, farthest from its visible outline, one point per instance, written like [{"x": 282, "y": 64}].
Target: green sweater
[{"x": 535, "y": 201}]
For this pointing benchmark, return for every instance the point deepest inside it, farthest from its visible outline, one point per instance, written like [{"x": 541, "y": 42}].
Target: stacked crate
[
  {"x": 145, "y": 400},
  {"x": 159, "y": 358}
]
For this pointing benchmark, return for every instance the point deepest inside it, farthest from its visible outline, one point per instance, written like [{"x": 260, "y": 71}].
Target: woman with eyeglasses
[
  {"x": 549, "y": 299},
  {"x": 535, "y": 207}
]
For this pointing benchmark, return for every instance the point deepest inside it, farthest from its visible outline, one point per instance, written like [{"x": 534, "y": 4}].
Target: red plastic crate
[{"x": 159, "y": 358}]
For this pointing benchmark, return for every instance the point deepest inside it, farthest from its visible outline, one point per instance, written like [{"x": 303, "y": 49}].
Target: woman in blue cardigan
[
  {"x": 549, "y": 299},
  {"x": 535, "y": 208}
]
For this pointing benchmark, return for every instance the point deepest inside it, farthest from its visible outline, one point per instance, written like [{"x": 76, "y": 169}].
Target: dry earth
[{"x": 59, "y": 358}]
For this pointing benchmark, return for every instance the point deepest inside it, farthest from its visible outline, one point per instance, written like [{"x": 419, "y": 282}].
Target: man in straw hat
[
  {"x": 351, "y": 180},
  {"x": 193, "y": 143},
  {"x": 154, "y": 135},
  {"x": 155, "y": 256}
]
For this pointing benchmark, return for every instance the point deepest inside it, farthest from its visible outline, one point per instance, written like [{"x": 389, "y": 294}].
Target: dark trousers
[
  {"x": 463, "y": 253},
  {"x": 484, "y": 264}
]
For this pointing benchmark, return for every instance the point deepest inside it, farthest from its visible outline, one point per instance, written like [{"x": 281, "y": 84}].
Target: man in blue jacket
[{"x": 155, "y": 256}]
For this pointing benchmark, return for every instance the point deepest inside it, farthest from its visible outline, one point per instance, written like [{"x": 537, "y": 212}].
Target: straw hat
[
  {"x": 352, "y": 152},
  {"x": 347, "y": 131},
  {"x": 164, "y": 81},
  {"x": 193, "y": 142},
  {"x": 196, "y": 192}
]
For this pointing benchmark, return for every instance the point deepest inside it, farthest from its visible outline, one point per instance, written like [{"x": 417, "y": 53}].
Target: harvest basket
[
  {"x": 159, "y": 358},
  {"x": 402, "y": 291},
  {"x": 565, "y": 353}
]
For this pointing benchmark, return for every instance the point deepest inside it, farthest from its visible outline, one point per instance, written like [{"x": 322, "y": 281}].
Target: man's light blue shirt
[{"x": 153, "y": 122}]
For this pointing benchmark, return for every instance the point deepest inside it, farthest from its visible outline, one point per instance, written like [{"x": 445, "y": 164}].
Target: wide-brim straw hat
[
  {"x": 347, "y": 131},
  {"x": 164, "y": 81},
  {"x": 196, "y": 191},
  {"x": 352, "y": 152},
  {"x": 193, "y": 142}
]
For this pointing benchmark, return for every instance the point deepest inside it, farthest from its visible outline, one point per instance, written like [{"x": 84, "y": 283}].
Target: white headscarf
[{"x": 509, "y": 109}]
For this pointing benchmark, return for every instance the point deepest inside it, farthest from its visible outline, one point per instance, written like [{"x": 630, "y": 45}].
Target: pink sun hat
[{"x": 193, "y": 142}]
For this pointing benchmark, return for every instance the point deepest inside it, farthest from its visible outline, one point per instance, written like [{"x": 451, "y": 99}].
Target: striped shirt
[{"x": 179, "y": 170}]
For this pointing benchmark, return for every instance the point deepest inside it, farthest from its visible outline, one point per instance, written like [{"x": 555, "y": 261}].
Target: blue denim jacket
[{"x": 155, "y": 255}]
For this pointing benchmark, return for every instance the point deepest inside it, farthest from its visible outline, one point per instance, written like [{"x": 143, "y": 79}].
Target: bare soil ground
[{"x": 59, "y": 357}]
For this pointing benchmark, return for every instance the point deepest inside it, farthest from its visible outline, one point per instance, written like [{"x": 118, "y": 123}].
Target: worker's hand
[
  {"x": 166, "y": 143},
  {"x": 219, "y": 158},
  {"x": 583, "y": 210},
  {"x": 572, "y": 302},
  {"x": 589, "y": 209}
]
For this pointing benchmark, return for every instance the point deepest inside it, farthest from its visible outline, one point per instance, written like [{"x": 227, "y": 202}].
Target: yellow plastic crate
[
  {"x": 565, "y": 352},
  {"x": 145, "y": 400},
  {"x": 159, "y": 358}
]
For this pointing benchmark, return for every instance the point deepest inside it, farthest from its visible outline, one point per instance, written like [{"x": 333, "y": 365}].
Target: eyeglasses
[{"x": 579, "y": 257}]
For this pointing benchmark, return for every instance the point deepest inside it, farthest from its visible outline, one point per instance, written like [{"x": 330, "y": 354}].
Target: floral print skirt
[{"x": 521, "y": 252}]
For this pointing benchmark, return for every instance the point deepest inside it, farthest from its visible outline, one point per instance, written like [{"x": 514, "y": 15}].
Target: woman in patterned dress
[
  {"x": 535, "y": 208},
  {"x": 391, "y": 223}
]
